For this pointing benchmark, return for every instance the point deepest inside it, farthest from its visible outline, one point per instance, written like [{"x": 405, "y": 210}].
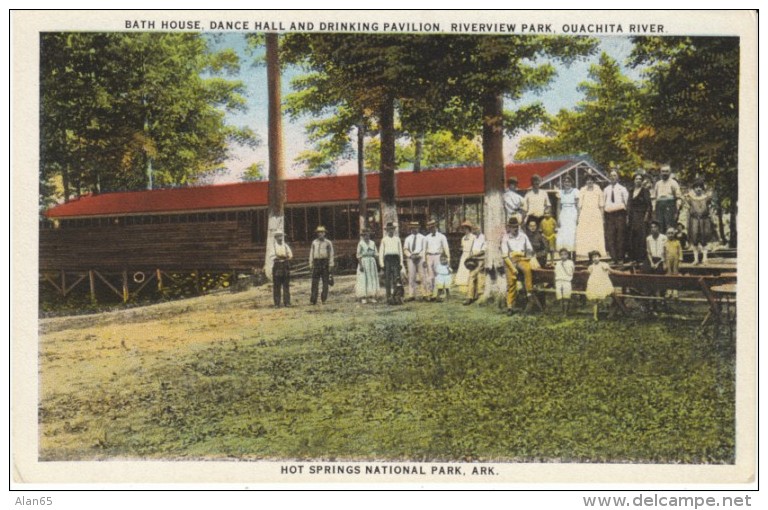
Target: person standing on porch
[
  {"x": 513, "y": 201},
  {"x": 616, "y": 198},
  {"x": 436, "y": 244},
  {"x": 536, "y": 202},
  {"x": 413, "y": 250},
  {"x": 391, "y": 259},
  {"x": 281, "y": 271},
  {"x": 700, "y": 231},
  {"x": 321, "y": 264},
  {"x": 668, "y": 196}
]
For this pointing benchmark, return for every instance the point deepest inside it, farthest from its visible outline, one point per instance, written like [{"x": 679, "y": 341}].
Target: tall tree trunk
[
  {"x": 419, "y": 152},
  {"x": 493, "y": 181},
  {"x": 362, "y": 184},
  {"x": 276, "y": 187},
  {"x": 387, "y": 177},
  {"x": 65, "y": 181}
]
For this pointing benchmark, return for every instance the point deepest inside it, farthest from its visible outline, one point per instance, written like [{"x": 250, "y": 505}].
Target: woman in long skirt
[
  {"x": 462, "y": 275},
  {"x": 640, "y": 210},
  {"x": 590, "y": 234},
  {"x": 367, "y": 284},
  {"x": 700, "y": 231},
  {"x": 568, "y": 216}
]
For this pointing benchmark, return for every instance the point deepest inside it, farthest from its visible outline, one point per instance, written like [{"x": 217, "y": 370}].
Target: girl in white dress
[{"x": 599, "y": 285}]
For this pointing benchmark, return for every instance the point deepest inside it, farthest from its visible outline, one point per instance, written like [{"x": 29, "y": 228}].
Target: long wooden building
[{"x": 223, "y": 227}]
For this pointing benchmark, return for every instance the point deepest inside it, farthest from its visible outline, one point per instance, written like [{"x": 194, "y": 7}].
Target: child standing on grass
[
  {"x": 563, "y": 277},
  {"x": 443, "y": 279},
  {"x": 599, "y": 285},
  {"x": 674, "y": 254}
]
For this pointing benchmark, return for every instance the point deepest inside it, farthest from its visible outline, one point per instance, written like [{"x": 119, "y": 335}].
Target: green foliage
[
  {"x": 691, "y": 111},
  {"x": 254, "y": 172},
  {"x": 440, "y": 149},
  {"x": 118, "y": 108},
  {"x": 463, "y": 387},
  {"x": 601, "y": 125}
]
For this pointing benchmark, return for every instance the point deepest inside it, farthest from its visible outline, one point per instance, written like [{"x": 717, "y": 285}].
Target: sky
[{"x": 562, "y": 93}]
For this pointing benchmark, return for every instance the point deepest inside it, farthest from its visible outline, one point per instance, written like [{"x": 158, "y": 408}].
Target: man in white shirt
[
  {"x": 516, "y": 249},
  {"x": 320, "y": 264},
  {"x": 668, "y": 198},
  {"x": 391, "y": 259},
  {"x": 615, "y": 217},
  {"x": 513, "y": 201},
  {"x": 476, "y": 279},
  {"x": 281, "y": 271},
  {"x": 435, "y": 244},
  {"x": 413, "y": 249},
  {"x": 536, "y": 202},
  {"x": 656, "y": 245}
]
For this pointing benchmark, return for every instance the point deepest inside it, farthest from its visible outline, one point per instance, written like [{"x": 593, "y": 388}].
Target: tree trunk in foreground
[
  {"x": 387, "y": 185},
  {"x": 493, "y": 206},
  {"x": 276, "y": 189}
]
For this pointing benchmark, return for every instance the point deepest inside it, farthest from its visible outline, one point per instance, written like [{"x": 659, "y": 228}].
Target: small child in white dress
[
  {"x": 564, "y": 269},
  {"x": 599, "y": 285},
  {"x": 443, "y": 279}
]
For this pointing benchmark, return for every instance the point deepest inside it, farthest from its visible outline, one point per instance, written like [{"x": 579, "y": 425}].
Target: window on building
[
  {"x": 473, "y": 210},
  {"x": 313, "y": 220},
  {"x": 438, "y": 212},
  {"x": 454, "y": 213},
  {"x": 341, "y": 221},
  {"x": 326, "y": 219},
  {"x": 298, "y": 223},
  {"x": 419, "y": 211}
]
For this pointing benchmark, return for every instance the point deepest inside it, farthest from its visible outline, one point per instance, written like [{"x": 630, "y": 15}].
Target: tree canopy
[{"x": 125, "y": 111}]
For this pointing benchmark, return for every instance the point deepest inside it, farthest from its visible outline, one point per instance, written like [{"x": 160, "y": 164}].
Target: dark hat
[
  {"x": 536, "y": 177},
  {"x": 389, "y": 225},
  {"x": 471, "y": 264},
  {"x": 654, "y": 222},
  {"x": 512, "y": 179},
  {"x": 513, "y": 221},
  {"x": 698, "y": 181},
  {"x": 595, "y": 252},
  {"x": 365, "y": 231}
]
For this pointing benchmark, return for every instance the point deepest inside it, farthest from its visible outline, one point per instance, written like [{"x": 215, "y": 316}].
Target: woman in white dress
[
  {"x": 367, "y": 284},
  {"x": 568, "y": 217},
  {"x": 590, "y": 233},
  {"x": 462, "y": 274}
]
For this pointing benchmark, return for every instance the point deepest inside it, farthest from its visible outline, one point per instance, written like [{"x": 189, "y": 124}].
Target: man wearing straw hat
[
  {"x": 320, "y": 264},
  {"x": 436, "y": 244},
  {"x": 414, "y": 251},
  {"x": 281, "y": 270},
  {"x": 391, "y": 259},
  {"x": 516, "y": 249}
]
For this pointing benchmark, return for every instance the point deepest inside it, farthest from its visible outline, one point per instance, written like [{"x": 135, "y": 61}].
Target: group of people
[
  {"x": 591, "y": 223},
  {"x": 614, "y": 221}
]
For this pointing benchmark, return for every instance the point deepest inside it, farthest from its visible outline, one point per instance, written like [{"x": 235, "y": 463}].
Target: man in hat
[
  {"x": 320, "y": 264},
  {"x": 668, "y": 197},
  {"x": 413, "y": 249},
  {"x": 391, "y": 259},
  {"x": 476, "y": 265},
  {"x": 616, "y": 198},
  {"x": 516, "y": 249},
  {"x": 513, "y": 201},
  {"x": 435, "y": 244},
  {"x": 281, "y": 270},
  {"x": 536, "y": 202}
]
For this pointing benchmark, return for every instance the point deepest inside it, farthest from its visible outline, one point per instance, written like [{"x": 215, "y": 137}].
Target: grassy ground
[{"x": 227, "y": 376}]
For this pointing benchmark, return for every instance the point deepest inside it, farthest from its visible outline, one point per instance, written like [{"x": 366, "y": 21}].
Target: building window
[
  {"x": 326, "y": 219},
  {"x": 473, "y": 210},
  {"x": 341, "y": 221},
  {"x": 437, "y": 212}
]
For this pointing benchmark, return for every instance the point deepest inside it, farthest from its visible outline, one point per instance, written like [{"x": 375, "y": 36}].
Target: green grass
[{"x": 459, "y": 385}]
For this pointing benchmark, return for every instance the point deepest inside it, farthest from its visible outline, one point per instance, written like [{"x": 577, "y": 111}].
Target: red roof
[{"x": 342, "y": 188}]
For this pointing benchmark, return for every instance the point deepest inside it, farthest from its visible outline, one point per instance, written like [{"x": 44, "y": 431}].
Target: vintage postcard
[{"x": 384, "y": 247}]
